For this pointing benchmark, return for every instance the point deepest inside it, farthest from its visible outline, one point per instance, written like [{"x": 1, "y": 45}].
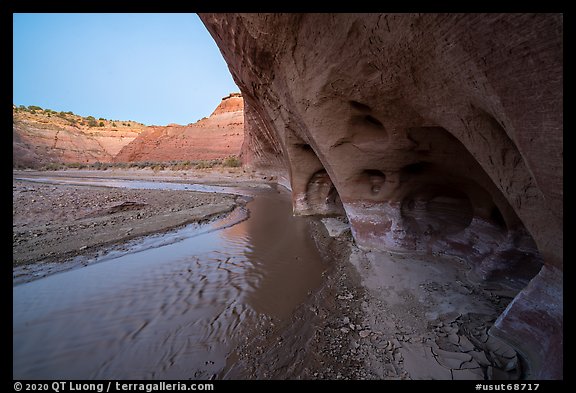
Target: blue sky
[{"x": 152, "y": 68}]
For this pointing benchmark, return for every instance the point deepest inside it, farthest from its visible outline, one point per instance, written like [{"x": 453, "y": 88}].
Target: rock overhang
[{"x": 430, "y": 132}]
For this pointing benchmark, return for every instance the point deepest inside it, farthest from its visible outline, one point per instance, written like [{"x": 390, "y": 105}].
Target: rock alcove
[{"x": 433, "y": 133}]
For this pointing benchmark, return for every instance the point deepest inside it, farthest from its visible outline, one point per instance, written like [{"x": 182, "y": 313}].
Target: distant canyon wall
[
  {"x": 42, "y": 137},
  {"x": 435, "y": 133}
]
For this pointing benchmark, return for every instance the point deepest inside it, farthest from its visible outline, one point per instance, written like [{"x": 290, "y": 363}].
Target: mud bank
[{"x": 53, "y": 223}]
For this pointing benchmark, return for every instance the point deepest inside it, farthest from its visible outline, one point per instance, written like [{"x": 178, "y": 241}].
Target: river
[{"x": 177, "y": 304}]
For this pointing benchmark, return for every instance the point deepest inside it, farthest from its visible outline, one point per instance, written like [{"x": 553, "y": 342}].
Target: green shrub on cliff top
[{"x": 91, "y": 121}]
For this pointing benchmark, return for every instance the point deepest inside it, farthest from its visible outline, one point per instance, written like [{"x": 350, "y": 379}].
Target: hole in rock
[
  {"x": 497, "y": 218},
  {"x": 437, "y": 211},
  {"x": 322, "y": 196},
  {"x": 305, "y": 147},
  {"x": 373, "y": 121},
  {"x": 374, "y": 178},
  {"x": 421, "y": 170},
  {"x": 359, "y": 106},
  {"x": 374, "y": 173},
  {"x": 416, "y": 168},
  {"x": 367, "y": 134}
]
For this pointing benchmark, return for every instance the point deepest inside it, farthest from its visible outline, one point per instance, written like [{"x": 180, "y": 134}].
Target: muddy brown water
[{"x": 175, "y": 305}]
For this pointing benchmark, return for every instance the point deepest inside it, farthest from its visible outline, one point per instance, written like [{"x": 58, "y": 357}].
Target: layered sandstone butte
[
  {"x": 217, "y": 136},
  {"x": 430, "y": 132},
  {"x": 40, "y": 137}
]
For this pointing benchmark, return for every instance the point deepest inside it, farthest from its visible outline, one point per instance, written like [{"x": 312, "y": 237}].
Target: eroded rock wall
[
  {"x": 431, "y": 132},
  {"x": 42, "y": 138},
  {"x": 218, "y": 136}
]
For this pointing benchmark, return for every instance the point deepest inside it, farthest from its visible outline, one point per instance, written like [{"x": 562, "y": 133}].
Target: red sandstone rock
[
  {"x": 437, "y": 132},
  {"x": 230, "y": 103},
  {"x": 38, "y": 139},
  {"x": 217, "y": 136}
]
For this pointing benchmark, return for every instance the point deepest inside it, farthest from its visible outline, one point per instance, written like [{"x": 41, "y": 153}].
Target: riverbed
[{"x": 171, "y": 305}]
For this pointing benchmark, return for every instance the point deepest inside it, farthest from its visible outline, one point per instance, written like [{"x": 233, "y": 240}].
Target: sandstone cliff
[
  {"x": 430, "y": 132},
  {"x": 217, "y": 136},
  {"x": 42, "y": 136}
]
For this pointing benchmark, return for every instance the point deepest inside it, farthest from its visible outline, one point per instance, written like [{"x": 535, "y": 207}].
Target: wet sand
[{"x": 53, "y": 223}]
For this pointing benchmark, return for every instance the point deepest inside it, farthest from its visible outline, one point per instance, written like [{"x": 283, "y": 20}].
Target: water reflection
[{"x": 283, "y": 256}]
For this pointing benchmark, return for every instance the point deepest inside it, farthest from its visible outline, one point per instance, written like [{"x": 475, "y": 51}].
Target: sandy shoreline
[{"x": 53, "y": 223}]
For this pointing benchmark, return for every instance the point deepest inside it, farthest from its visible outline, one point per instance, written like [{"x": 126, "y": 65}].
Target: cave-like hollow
[
  {"x": 313, "y": 192},
  {"x": 441, "y": 133},
  {"x": 432, "y": 196},
  {"x": 416, "y": 190}
]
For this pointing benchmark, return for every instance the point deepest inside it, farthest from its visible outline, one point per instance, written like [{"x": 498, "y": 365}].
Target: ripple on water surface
[{"x": 174, "y": 310}]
